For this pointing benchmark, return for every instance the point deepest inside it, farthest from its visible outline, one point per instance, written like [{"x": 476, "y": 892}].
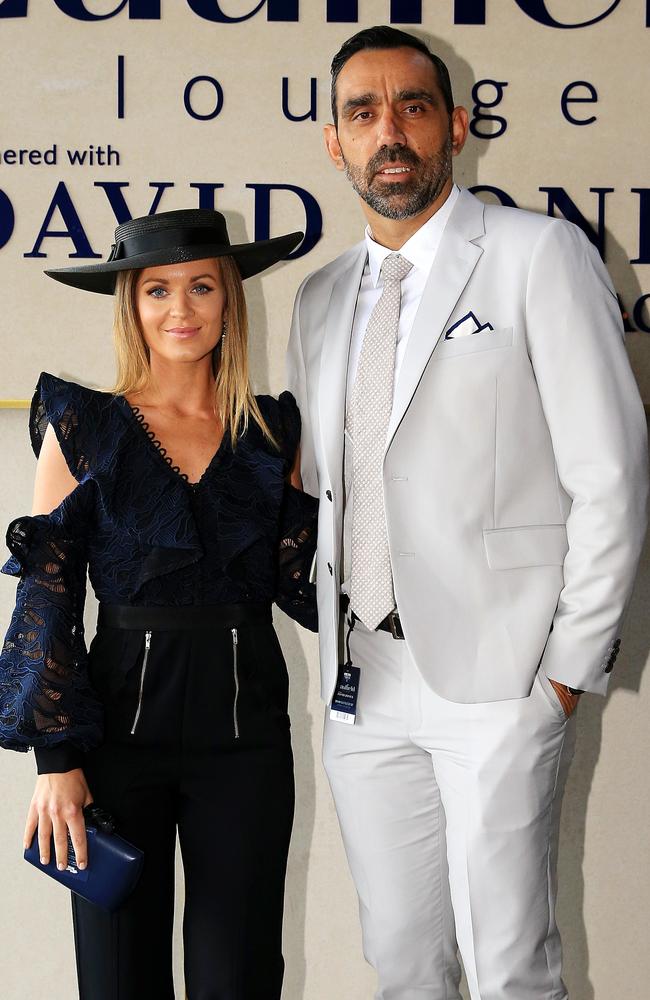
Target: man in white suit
[{"x": 474, "y": 432}]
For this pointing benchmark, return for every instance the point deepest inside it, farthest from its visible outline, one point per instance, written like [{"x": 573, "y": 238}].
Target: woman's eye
[
  {"x": 202, "y": 289},
  {"x": 153, "y": 292}
]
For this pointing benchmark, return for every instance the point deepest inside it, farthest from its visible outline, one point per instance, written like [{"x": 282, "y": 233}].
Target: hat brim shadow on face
[{"x": 251, "y": 259}]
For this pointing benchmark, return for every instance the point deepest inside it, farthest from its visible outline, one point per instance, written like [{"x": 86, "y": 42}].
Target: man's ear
[
  {"x": 459, "y": 128},
  {"x": 333, "y": 146}
]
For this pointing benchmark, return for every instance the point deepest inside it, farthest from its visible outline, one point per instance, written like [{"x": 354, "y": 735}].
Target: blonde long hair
[{"x": 235, "y": 402}]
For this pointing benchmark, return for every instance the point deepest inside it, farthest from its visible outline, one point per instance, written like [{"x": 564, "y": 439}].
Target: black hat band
[{"x": 165, "y": 239}]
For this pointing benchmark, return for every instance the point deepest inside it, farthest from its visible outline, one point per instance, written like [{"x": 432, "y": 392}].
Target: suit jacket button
[
  {"x": 328, "y": 494},
  {"x": 329, "y": 566},
  {"x": 617, "y": 643},
  {"x": 608, "y": 668}
]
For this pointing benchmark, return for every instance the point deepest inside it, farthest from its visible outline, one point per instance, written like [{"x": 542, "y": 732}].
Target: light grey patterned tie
[{"x": 371, "y": 403}]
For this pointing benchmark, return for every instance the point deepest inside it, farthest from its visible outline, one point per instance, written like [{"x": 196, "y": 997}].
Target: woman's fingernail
[
  {"x": 60, "y": 866},
  {"x": 43, "y": 861},
  {"x": 82, "y": 864}
]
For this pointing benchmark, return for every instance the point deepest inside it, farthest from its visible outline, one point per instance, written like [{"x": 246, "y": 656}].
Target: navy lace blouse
[{"x": 147, "y": 537}]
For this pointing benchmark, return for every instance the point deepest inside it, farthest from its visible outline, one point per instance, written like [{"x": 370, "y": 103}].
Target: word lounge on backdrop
[
  {"x": 91, "y": 156},
  {"x": 487, "y": 94},
  {"x": 335, "y": 11},
  {"x": 61, "y": 205}
]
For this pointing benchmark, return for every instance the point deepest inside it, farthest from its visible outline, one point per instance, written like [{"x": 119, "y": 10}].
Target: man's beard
[{"x": 402, "y": 199}]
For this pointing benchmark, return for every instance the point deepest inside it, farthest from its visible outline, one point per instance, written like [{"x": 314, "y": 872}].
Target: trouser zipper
[
  {"x": 235, "y": 668},
  {"x": 147, "y": 647}
]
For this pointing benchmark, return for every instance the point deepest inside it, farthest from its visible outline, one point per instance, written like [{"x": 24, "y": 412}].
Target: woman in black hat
[{"x": 179, "y": 491}]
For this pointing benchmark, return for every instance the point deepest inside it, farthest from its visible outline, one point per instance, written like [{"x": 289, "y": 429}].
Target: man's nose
[{"x": 390, "y": 131}]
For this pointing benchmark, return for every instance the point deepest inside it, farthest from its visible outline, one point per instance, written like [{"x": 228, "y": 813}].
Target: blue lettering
[
  {"x": 121, "y": 211},
  {"x": 278, "y": 10},
  {"x": 74, "y": 230},
  {"x": 313, "y": 215},
  {"x": 558, "y": 198},
  {"x": 188, "y": 94},
  {"x": 142, "y": 10},
  {"x": 206, "y": 194},
  {"x": 13, "y": 8},
  {"x": 470, "y": 11},
  {"x": 149, "y": 10},
  {"x": 501, "y": 196},
  {"x": 644, "y": 226},
  {"x": 538, "y": 11},
  {"x": 313, "y": 102},
  {"x": 477, "y": 115},
  {"x": 567, "y": 99},
  {"x": 401, "y": 11},
  {"x": 120, "y": 86},
  {"x": 7, "y": 219}
]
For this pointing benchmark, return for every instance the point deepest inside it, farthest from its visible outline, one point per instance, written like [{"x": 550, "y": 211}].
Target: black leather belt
[{"x": 391, "y": 623}]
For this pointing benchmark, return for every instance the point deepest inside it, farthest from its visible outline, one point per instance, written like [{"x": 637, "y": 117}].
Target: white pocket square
[{"x": 466, "y": 326}]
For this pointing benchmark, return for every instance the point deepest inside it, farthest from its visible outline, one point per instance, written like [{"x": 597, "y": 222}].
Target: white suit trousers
[{"x": 492, "y": 774}]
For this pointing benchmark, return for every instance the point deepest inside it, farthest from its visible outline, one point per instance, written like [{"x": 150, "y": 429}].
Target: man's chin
[{"x": 391, "y": 205}]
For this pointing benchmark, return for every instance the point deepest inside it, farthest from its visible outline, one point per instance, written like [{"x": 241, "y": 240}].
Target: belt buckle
[{"x": 395, "y": 625}]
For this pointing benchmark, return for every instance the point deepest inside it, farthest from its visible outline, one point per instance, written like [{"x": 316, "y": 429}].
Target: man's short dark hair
[{"x": 382, "y": 36}]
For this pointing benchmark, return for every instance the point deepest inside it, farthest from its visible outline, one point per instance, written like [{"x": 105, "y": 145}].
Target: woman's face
[{"x": 181, "y": 309}]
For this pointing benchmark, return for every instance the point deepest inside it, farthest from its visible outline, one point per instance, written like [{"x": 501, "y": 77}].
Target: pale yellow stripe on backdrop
[{"x": 14, "y": 404}]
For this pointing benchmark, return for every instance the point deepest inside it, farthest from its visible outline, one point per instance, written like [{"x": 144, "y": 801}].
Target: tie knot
[{"x": 395, "y": 267}]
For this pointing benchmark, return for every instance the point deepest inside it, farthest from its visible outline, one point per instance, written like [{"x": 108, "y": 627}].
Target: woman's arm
[
  {"x": 54, "y": 481},
  {"x": 294, "y": 477},
  {"x": 58, "y": 799}
]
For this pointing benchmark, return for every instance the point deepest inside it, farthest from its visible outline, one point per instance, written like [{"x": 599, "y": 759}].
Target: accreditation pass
[{"x": 344, "y": 701}]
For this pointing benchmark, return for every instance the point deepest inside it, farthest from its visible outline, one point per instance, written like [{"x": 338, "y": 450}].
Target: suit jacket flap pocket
[{"x": 526, "y": 545}]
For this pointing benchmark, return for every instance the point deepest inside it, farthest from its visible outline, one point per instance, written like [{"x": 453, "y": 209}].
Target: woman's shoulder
[
  {"x": 53, "y": 390},
  {"x": 80, "y": 417}
]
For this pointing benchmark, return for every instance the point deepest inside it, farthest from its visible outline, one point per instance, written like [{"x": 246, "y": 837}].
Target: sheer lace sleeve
[
  {"x": 45, "y": 696},
  {"x": 295, "y": 593}
]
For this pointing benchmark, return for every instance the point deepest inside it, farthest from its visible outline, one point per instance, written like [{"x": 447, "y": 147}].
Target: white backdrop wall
[{"x": 117, "y": 104}]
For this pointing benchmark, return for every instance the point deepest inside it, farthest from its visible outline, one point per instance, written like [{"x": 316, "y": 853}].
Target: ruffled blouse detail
[{"x": 147, "y": 537}]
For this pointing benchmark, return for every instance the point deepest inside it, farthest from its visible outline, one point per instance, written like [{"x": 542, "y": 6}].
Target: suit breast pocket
[{"x": 486, "y": 340}]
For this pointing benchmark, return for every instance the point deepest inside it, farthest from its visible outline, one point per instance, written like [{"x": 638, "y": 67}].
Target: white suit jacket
[{"x": 515, "y": 471}]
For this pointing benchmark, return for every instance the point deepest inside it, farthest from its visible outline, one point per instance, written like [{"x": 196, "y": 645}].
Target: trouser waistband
[{"x": 194, "y": 616}]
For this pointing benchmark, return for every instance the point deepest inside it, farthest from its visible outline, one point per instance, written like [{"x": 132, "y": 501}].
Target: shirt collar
[{"x": 420, "y": 249}]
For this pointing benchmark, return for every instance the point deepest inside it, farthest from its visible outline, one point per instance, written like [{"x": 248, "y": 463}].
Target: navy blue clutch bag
[{"x": 113, "y": 868}]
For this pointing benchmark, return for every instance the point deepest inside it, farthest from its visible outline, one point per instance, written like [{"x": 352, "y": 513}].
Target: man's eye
[
  {"x": 362, "y": 116},
  {"x": 414, "y": 108}
]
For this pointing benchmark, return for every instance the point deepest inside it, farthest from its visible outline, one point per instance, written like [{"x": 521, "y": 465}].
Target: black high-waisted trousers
[{"x": 197, "y": 740}]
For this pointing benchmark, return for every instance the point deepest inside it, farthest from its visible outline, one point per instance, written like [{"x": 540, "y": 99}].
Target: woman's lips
[{"x": 183, "y": 332}]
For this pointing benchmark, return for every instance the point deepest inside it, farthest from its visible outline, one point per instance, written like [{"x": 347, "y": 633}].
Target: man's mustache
[{"x": 384, "y": 157}]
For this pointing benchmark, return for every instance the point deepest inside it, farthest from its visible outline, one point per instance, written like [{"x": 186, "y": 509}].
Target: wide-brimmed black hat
[{"x": 173, "y": 238}]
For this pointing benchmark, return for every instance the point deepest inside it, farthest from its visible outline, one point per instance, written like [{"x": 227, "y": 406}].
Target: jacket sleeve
[
  {"x": 46, "y": 700},
  {"x": 598, "y": 428}
]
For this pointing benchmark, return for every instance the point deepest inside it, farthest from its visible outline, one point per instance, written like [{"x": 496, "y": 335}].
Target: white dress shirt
[{"x": 420, "y": 250}]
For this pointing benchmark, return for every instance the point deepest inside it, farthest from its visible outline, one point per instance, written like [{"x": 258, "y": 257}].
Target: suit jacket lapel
[
  {"x": 334, "y": 362},
  {"x": 455, "y": 261}
]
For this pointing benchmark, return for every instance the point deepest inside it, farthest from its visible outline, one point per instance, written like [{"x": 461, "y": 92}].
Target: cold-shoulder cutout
[{"x": 78, "y": 416}]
